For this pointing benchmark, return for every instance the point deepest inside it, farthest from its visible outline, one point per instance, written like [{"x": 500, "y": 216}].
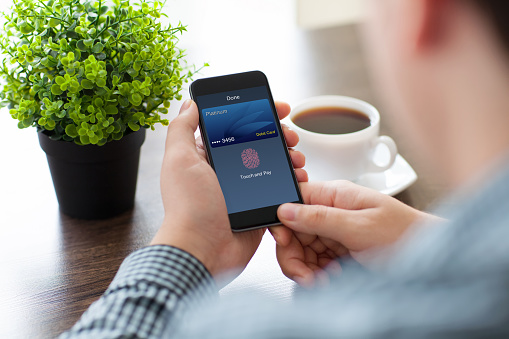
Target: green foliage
[{"x": 90, "y": 71}]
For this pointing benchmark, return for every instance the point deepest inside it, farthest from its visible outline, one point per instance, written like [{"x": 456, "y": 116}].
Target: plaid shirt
[{"x": 447, "y": 281}]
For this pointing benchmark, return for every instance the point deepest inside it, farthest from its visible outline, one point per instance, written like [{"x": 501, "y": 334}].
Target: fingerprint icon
[{"x": 250, "y": 158}]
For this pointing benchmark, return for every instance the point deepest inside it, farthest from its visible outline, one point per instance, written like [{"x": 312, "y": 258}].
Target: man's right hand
[{"x": 339, "y": 218}]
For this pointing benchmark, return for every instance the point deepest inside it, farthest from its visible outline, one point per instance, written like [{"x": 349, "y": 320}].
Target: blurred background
[{"x": 275, "y": 37}]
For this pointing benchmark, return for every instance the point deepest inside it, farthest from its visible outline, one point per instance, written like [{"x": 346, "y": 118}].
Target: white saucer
[{"x": 391, "y": 182}]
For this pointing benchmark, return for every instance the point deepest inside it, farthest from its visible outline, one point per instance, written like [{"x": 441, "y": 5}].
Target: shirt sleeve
[{"x": 153, "y": 286}]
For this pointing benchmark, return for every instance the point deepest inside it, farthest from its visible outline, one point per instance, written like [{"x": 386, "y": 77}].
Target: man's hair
[{"x": 497, "y": 12}]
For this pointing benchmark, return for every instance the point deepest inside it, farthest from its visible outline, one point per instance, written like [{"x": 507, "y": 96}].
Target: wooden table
[{"x": 53, "y": 267}]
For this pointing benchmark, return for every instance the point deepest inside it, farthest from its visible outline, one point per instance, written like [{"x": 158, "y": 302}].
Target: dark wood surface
[{"x": 53, "y": 267}]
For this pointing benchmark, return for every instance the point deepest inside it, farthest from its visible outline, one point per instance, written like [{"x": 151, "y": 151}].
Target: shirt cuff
[{"x": 167, "y": 267}]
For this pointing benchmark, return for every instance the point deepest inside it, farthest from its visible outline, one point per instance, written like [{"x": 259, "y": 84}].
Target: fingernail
[
  {"x": 288, "y": 211},
  {"x": 305, "y": 281},
  {"x": 322, "y": 278},
  {"x": 185, "y": 105},
  {"x": 276, "y": 237}
]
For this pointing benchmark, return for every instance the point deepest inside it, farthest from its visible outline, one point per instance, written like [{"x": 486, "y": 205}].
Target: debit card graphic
[{"x": 238, "y": 123}]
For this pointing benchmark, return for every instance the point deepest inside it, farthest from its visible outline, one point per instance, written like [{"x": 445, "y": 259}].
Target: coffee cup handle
[{"x": 393, "y": 150}]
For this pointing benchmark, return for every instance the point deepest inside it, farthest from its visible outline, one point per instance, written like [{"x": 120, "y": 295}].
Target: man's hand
[
  {"x": 341, "y": 218},
  {"x": 196, "y": 218}
]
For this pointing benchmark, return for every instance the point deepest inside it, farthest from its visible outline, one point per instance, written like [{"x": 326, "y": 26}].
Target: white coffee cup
[{"x": 342, "y": 156}]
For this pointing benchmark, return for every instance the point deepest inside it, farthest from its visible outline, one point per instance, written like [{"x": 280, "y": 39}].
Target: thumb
[
  {"x": 319, "y": 220},
  {"x": 182, "y": 128}
]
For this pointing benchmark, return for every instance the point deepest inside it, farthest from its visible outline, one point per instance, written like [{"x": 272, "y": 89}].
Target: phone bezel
[{"x": 260, "y": 217}]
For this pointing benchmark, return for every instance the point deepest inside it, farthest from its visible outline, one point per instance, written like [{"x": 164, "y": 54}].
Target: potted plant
[{"x": 91, "y": 77}]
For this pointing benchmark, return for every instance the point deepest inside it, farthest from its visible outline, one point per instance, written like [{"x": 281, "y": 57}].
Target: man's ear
[{"x": 430, "y": 22}]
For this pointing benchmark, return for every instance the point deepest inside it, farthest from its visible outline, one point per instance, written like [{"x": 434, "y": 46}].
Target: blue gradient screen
[{"x": 246, "y": 149}]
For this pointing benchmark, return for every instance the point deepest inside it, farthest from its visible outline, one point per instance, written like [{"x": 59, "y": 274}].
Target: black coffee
[{"x": 332, "y": 120}]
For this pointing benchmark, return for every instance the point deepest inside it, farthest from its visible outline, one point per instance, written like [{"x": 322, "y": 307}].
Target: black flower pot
[{"x": 94, "y": 182}]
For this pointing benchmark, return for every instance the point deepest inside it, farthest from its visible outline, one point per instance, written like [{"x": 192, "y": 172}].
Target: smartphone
[{"x": 246, "y": 147}]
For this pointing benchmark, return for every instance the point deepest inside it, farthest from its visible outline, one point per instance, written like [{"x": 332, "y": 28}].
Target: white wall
[{"x": 325, "y": 13}]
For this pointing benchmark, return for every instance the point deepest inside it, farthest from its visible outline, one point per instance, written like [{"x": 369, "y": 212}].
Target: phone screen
[{"x": 246, "y": 149}]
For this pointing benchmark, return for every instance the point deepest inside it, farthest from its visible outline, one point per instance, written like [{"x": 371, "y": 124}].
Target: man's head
[
  {"x": 443, "y": 66},
  {"x": 496, "y": 12}
]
